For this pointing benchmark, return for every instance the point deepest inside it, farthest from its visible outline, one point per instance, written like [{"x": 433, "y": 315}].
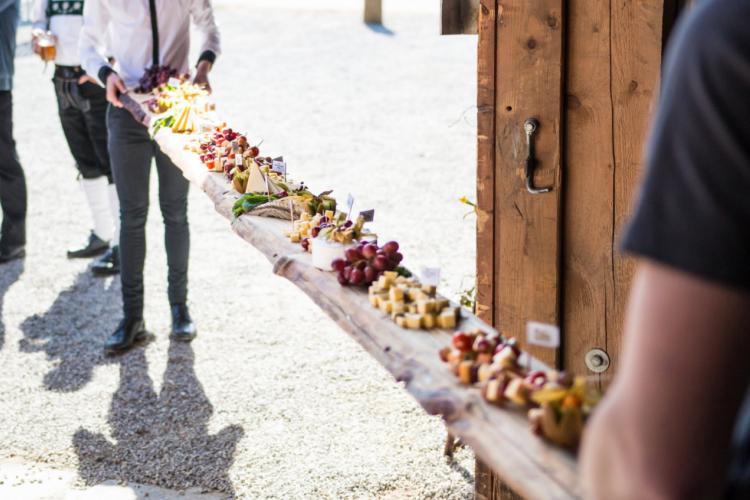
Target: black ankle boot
[
  {"x": 128, "y": 332},
  {"x": 183, "y": 328},
  {"x": 108, "y": 264},
  {"x": 94, "y": 247},
  {"x": 9, "y": 253}
]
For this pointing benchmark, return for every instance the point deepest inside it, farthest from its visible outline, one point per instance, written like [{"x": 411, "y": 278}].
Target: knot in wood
[{"x": 531, "y": 43}]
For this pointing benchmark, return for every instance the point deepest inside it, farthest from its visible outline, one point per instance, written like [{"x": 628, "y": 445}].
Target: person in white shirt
[
  {"x": 82, "y": 106},
  {"x": 146, "y": 33}
]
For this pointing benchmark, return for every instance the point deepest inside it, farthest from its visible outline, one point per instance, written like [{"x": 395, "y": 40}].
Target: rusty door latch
[{"x": 530, "y": 126}]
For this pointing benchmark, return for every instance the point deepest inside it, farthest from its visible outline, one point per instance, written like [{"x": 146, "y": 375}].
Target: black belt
[{"x": 68, "y": 71}]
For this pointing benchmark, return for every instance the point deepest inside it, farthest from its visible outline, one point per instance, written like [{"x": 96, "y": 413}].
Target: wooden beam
[
  {"x": 527, "y": 226},
  {"x": 374, "y": 11},
  {"x": 459, "y": 17},
  {"x": 500, "y": 437}
]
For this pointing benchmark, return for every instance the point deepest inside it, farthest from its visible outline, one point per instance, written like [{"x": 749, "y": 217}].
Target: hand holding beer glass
[{"x": 44, "y": 44}]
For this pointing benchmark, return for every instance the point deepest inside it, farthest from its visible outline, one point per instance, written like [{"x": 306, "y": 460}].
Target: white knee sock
[
  {"x": 114, "y": 206},
  {"x": 96, "y": 196}
]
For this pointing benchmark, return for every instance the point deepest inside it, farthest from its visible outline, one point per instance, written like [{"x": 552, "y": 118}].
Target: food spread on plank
[{"x": 557, "y": 403}]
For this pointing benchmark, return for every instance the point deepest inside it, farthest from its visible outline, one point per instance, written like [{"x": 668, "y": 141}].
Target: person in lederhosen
[
  {"x": 12, "y": 179},
  {"x": 146, "y": 33},
  {"x": 82, "y": 106}
]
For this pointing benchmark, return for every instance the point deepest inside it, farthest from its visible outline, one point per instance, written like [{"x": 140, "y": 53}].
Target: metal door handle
[{"x": 530, "y": 126}]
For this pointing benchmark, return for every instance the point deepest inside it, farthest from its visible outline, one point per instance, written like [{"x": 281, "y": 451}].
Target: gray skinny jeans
[{"x": 131, "y": 150}]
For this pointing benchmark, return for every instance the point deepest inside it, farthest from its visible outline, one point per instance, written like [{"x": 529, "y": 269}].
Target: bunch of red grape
[
  {"x": 365, "y": 263},
  {"x": 153, "y": 77}
]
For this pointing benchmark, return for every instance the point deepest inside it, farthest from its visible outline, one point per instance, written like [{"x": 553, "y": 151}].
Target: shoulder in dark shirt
[{"x": 694, "y": 209}]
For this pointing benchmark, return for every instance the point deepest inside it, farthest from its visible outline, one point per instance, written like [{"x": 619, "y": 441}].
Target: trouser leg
[
  {"x": 131, "y": 151},
  {"x": 114, "y": 208},
  {"x": 95, "y": 118},
  {"x": 12, "y": 180},
  {"x": 173, "y": 192},
  {"x": 82, "y": 110},
  {"x": 76, "y": 133}
]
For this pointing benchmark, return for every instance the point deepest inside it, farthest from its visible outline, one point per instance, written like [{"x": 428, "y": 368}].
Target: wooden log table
[{"x": 501, "y": 438}]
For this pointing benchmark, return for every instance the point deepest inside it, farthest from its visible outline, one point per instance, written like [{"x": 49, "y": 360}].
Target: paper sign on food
[
  {"x": 368, "y": 215},
  {"x": 279, "y": 166},
  {"x": 543, "y": 334},
  {"x": 430, "y": 275}
]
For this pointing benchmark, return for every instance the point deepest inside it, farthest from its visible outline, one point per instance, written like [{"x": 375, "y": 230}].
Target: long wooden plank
[
  {"x": 486, "y": 160},
  {"x": 527, "y": 226},
  {"x": 636, "y": 62},
  {"x": 589, "y": 290},
  {"x": 484, "y": 478},
  {"x": 614, "y": 56},
  {"x": 500, "y": 437}
]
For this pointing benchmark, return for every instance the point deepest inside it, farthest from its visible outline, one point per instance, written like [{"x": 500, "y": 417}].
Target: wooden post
[
  {"x": 459, "y": 17},
  {"x": 374, "y": 11}
]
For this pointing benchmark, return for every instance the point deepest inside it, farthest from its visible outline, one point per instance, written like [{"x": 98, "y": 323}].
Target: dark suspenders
[{"x": 154, "y": 33}]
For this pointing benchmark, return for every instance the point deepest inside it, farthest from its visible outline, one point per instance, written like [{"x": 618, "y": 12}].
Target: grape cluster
[
  {"x": 323, "y": 223},
  {"x": 364, "y": 264},
  {"x": 153, "y": 77}
]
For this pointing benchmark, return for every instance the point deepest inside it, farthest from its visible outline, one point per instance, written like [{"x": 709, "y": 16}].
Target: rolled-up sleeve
[
  {"x": 39, "y": 15},
  {"x": 202, "y": 13},
  {"x": 94, "y": 37}
]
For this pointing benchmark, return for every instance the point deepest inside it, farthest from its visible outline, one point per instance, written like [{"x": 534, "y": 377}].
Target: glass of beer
[{"x": 47, "y": 45}]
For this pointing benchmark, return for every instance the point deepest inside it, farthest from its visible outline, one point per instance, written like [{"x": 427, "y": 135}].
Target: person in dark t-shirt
[{"x": 665, "y": 428}]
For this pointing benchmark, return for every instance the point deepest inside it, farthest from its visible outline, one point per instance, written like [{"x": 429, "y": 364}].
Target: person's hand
[
  {"x": 86, "y": 78},
  {"x": 201, "y": 75},
  {"x": 35, "y": 46},
  {"x": 115, "y": 87},
  {"x": 35, "y": 42}
]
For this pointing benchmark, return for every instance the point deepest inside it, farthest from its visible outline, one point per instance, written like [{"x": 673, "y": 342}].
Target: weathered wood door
[{"x": 588, "y": 72}]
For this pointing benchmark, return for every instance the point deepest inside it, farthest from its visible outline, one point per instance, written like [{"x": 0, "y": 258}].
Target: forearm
[
  {"x": 665, "y": 425},
  {"x": 95, "y": 23},
  {"x": 203, "y": 18}
]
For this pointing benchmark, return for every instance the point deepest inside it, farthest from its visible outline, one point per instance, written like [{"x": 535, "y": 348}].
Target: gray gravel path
[{"x": 272, "y": 400}]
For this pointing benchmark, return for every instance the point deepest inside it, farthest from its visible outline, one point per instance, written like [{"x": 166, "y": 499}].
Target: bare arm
[{"x": 664, "y": 428}]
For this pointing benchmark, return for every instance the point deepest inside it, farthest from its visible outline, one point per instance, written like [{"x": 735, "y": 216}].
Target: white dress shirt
[
  {"x": 66, "y": 26},
  {"x": 129, "y": 26}
]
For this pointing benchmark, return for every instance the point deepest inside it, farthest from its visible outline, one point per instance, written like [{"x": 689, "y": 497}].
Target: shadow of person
[
  {"x": 72, "y": 331},
  {"x": 9, "y": 274},
  {"x": 160, "y": 440}
]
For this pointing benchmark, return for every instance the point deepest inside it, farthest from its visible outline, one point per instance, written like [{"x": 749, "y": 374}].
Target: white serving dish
[{"x": 324, "y": 252}]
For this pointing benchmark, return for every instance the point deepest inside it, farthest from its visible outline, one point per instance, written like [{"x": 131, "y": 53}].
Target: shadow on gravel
[
  {"x": 9, "y": 274},
  {"x": 73, "y": 330},
  {"x": 380, "y": 29},
  {"x": 162, "y": 439}
]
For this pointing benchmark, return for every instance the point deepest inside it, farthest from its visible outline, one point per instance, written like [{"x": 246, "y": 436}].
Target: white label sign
[
  {"x": 543, "y": 334},
  {"x": 279, "y": 167},
  {"x": 430, "y": 275}
]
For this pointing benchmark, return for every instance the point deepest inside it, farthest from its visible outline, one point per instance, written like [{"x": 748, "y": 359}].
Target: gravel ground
[{"x": 272, "y": 400}]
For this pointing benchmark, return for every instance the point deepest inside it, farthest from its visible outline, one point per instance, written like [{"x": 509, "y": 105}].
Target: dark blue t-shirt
[{"x": 694, "y": 209}]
